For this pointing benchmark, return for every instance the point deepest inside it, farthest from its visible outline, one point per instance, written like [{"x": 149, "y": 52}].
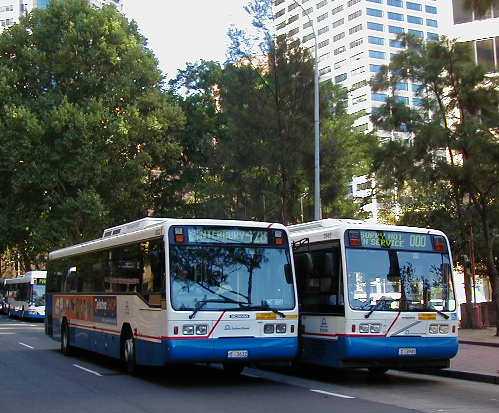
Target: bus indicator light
[
  {"x": 179, "y": 235},
  {"x": 439, "y": 243},
  {"x": 278, "y": 238},
  {"x": 355, "y": 240}
]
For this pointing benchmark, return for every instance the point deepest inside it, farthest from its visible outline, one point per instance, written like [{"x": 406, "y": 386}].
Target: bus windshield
[
  {"x": 38, "y": 296},
  {"x": 394, "y": 280},
  {"x": 221, "y": 277}
]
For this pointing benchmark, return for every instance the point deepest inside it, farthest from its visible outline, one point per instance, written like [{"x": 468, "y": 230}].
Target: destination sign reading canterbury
[
  {"x": 396, "y": 240},
  {"x": 226, "y": 235}
]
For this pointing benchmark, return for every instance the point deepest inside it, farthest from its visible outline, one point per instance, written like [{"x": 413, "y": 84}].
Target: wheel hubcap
[{"x": 129, "y": 350}]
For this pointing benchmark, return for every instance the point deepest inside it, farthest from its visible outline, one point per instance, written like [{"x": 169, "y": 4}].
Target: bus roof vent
[
  {"x": 132, "y": 226},
  {"x": 323, "y": 223}
]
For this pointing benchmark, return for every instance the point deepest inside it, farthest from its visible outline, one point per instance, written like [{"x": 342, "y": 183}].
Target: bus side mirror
[
  {"x": 288, "y": 272},
  {"x": 446, "y": 272}
]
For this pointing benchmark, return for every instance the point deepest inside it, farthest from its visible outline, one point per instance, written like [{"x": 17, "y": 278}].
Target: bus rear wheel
[
  {"x": 128, "y": 352},
  {"x": 65, "y": 343}
]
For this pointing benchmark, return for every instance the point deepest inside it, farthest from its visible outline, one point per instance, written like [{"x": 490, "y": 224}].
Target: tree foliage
[
  {"x": 452, "y": 153},
  {"x": 84, "y": 126}
]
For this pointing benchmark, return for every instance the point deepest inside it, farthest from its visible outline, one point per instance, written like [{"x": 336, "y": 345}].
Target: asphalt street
[{"x": 35, "y": 377}]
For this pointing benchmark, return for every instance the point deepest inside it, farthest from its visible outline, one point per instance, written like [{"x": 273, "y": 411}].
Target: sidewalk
[{"x": 478, "y": 357}]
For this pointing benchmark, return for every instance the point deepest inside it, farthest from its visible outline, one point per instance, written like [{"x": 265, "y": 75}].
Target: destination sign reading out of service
[
  {"x": 396, "y": 240},
  {"x": 227, "y": 235}
]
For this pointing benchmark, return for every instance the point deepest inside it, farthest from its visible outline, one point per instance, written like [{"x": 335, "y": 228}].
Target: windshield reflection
[
  {"x": 399, "y": 280},
  {"x": 38, "y": 295},
  {"x": 223, "y": 276}
]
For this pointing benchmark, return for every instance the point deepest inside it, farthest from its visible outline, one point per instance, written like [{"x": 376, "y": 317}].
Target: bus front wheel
[
  {"x": 128, "y": 352},
  {"x": 377, "y": 372},
  {"x": 233, "y": 370},
  {"x": 65, "y": 344}
]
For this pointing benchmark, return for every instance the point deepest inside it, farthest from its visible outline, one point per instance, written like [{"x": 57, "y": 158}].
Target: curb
[
  {"x": 479, "y": 343},
  {"x": 465, "y": 375}
]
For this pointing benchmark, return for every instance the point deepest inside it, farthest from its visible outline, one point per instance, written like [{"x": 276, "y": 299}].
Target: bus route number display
[
  {"x": 227, "y": 235},
  {"x": 40, "y": 281},
  {"x": 396, "y": 240}
]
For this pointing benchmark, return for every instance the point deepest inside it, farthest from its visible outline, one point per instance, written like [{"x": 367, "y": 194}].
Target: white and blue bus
[
  {"x": 374, "y": 296},
  {"x": 25, "y": 295},
  {"x": 161, "y": 291}
]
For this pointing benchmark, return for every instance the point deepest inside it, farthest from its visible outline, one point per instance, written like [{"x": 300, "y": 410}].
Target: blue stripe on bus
[
  {"x": 333, "y": 352},
  {"x": 187, "y": 351}
]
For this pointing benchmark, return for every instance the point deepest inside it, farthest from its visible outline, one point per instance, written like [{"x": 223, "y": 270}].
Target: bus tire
[
  {"x": 128, "y": 351},
  {"x": 233, "y": 369},
  {"x": 377, "y": 372},
  {"x": 65, "y": 339}
]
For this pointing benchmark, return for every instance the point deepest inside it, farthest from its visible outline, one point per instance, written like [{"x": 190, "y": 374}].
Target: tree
[
  {"x": 85, "y": 126},
  {"x": 453, "y": 136},
  {"x": 480, "y": 6}
]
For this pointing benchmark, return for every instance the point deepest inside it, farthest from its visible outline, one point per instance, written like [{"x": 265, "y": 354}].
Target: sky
[{"x": 181, "y": 31}]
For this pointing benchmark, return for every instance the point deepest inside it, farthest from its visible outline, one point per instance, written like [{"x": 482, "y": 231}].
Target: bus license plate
[
  {"x": 238, "y": 354},
  {"x": 407, "y": 351}
]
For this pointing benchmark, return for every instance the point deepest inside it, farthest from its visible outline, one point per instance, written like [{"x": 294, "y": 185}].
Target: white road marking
[
  {"x": 87, "y": 370},
  {"x": 20, "y": 324},
  {"x": 5, "y": 334},
  {"x": 341, "y": 396},
  {"x": 26, "y": 345},
  {"x": 253, "y": 376}
]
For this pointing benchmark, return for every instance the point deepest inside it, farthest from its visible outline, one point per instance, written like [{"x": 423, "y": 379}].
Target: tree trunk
[
  {"x": 491, "y": 268},
  {"x": 470, "y": 321}
]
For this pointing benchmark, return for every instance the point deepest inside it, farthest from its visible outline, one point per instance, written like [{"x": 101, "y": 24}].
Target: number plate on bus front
[
  {"x": 238, "y": 354},
  {"x": 407, "y": 351}
]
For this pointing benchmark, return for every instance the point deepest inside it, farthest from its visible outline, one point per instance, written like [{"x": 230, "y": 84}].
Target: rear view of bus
[
  {"x": 162, "y": 291},
  {"x": 394, "y": 303}
]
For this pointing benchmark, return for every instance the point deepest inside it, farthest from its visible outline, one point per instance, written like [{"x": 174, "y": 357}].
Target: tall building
[
  {"x": 12, "y": 10},
  {"x": 355, "y": 38},
  {"x": 482, "y": 31}
]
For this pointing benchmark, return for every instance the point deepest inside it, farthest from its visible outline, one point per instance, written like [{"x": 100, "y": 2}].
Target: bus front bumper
[
  {"x": 390, "y": 352},
  {"x": 224, "y": 350}
]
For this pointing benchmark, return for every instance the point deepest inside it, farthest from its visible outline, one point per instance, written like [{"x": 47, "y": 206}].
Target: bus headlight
[
  {"x": 201, "y": 329},
  {"x": 375, "y": 328},
  {"x": 443, "y": 329},
  {"x": 188, "y": 330},
  {"x": 268, "y": 328},
  {"x": 280, "y": 328},
  {"x": 433, "y": 329},
  {"x": 364, "y": 328}
]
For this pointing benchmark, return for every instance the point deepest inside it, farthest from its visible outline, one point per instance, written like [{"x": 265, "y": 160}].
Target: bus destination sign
[
  {"x": 40, "y": 281},
  {"x": 395, "y": 240},
  {"x": 227, "y": 235}
]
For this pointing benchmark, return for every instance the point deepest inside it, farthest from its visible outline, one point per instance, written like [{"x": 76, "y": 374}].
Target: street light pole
[{"x": 317, "y": 140}]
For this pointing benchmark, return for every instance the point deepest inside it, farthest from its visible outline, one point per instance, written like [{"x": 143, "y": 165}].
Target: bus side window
[{"x": 153, "y": 272}]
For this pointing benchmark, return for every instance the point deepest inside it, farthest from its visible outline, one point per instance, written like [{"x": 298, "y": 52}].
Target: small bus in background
[
  {"x": 374, "y": 296},
  {"x": 25, "y": 295},
  {"x": 161, "y": 291},
  {"x": 3, "y": 303}
]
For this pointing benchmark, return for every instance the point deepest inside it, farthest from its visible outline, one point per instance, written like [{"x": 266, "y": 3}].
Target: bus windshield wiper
[
  {"x": 201, "y": 303},
  {"x": 265, "y": 306},
  {"x": 446, "y": 316},
  {"x": 378, "y": 304}
]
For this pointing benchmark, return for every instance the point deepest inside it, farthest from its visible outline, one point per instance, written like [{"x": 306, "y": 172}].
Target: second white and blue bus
[
  {"x": 374, "y": 296},
  {"x": 161, "y": 291},
  {"x": 25, "y": 296}
]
